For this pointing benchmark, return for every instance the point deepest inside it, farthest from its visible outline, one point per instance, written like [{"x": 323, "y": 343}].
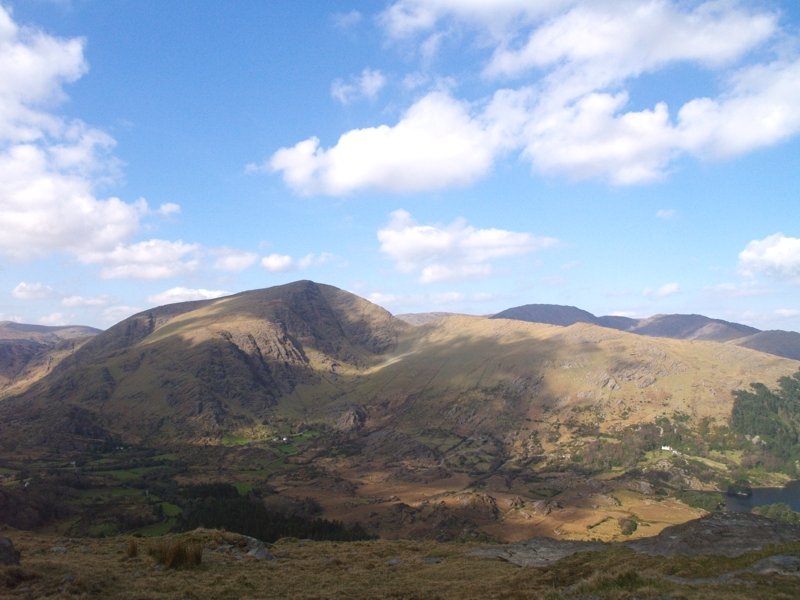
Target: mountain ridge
[
  {"x": 673, "y": 326},
  {"x": 460, "y": 423}
]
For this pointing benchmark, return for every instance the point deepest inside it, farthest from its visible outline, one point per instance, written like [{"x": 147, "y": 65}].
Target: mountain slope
[
  {"x": 29, "y": 352},
  {"x": 780, "y": 343},
  {"x": 552, "y": 314},
  {"x": 676, "y": 326},
  {"x": 197, "y": 370},
  {"x": 691, "y": 327}
]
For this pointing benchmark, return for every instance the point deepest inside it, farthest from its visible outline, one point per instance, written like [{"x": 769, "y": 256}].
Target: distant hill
[
  {"x": 691, "y": 327},
  {"x": 552, "y": 314},
  {"x": 307, "y": 352},
  {"x": 781, "y": 343},
  {"x": 677, "y": 326},
  {"x": 28, "y": 352},
  {"x": 460, "y": 422}
]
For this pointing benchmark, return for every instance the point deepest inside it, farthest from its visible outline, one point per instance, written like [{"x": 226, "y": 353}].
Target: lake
[{"x": 790, "y": 494}]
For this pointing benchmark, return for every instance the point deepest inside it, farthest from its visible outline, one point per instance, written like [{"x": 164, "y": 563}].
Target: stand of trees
[
  {"x": 220, "y": 506},
  {"x": 774, "y": 417}
]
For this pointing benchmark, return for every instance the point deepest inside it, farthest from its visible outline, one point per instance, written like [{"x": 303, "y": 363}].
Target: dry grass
[
  {"x": 101, "y": 568},
  {"x": 176, "y": 553}
]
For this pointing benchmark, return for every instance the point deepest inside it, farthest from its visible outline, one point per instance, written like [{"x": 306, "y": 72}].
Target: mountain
[
  {"x": 691, "y": 327},
  {"x": 677, "y": 326},
  {"x": 311, "y": 353},
  {"x": 459, "y": 424},
  {"x": 552, "y": 314},
  {"x": 28, "y": 352},
  {"x": 196, "y": 370},
  {"x": 780, "y": 343}
]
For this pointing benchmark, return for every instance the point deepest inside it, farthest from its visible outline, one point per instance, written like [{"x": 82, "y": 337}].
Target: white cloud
[
  {"x": 282, "y": 263},
  {"x": 170, "y": 208},
  {"x": 182, "y": 294},
  {"x": 573, "y": 112},
  {"x": 668, "y": 289},
  {"x": 454, "y": 252},
  {"x": 73, "y": 301},
  {"x": 605, "y": 42},
  {"x": 277, "y": 263},
  {"x": 151, "y": 259},
  {"x": 666, "y": 213},
  {"x": 54, "y": 319},
  {"x": 787, "y": 313},
  {"x": 231, "y": 260},
  {"x": 776, "y": 256},
  {"x": 367, "y": 85},
  {"x": 383, "y": 299},
  {"x": 436, "y": 144},
  {"x": 406, "y": 18},
  {"x": 50, "y": 166},
  {"x": 32, "y": 291}
]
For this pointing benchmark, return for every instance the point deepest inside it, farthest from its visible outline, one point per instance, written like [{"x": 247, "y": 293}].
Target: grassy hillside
[{"x": 461, "y": 427}]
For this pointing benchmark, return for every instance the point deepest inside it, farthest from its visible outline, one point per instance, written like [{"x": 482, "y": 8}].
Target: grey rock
[
  {"x": 538, "y": 552},
  {"x": 718, "y": 534},
  {"x": 58, "y": 550},
  {"x": 780, "y": 564},
  {"x": 260, "y": 553},
  {"x": 8, "y": 555}
]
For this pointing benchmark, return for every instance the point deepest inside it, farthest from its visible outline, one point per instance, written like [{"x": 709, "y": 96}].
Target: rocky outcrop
[
  {"x": 718, "y": 534},
  {"x": 8, "y": 555}
]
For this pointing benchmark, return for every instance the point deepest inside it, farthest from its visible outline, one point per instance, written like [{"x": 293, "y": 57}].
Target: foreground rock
[
  {"x": 719, "y": 534},
  {"x": 8, "y": 556},
  {"x": 538, "y": 552}
]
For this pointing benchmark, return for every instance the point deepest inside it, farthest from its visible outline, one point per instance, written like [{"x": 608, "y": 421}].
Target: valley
[{"x": 315, "y": 403}]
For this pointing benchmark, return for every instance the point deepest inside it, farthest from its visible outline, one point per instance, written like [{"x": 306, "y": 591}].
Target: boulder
[{"x": 8, "y": 555}]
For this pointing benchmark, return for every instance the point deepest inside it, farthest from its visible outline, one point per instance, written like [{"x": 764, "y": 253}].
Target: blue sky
[{"x": 628, "y": 158}]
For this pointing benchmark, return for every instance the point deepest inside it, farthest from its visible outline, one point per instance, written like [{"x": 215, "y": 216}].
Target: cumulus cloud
[
  {"x": 170, "y": 208},
  {"x": 367, "y": 85},
  {"x": 668, "y": 289},
  {"x": 436, "y": 144},
  {"x": 183, "y": 294},
  {"x": 282, "y": 263},
  {"x": 32, "y": 291},
  {"x": 560, "y": 77},
  {"x": 406, "y": 18},
  {"x": 50, "y": 166},
  {"x": 73, "y": 301},
  {"x": 151, "y": 259},
  {"x": 54, "y": 319},
  {"x": 231, "y": 260},
  {"x": 605, "y": 42},
  {"x": 776, "y": 256},
  {"x": 454, "y": 252}
]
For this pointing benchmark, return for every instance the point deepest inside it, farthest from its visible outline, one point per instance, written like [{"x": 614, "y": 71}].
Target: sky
[{"x": 629, "y": 158}]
